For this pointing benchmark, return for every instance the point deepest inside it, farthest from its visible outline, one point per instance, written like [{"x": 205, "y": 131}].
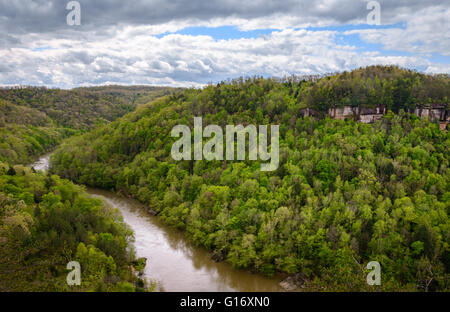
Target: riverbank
[{"x": 172, "y": 261}]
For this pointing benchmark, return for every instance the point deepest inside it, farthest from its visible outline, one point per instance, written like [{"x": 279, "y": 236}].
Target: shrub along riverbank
[{"x": 46, "y": 222}]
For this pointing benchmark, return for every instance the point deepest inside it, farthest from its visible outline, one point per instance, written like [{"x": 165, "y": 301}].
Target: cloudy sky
[{"x": 193, "y": 42}]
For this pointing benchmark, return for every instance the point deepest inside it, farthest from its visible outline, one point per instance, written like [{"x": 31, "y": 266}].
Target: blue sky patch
[
  {"x": 233, "y": 32},
  {"x": 43, "y": 48},
  {"x": 221, "y": 33}
]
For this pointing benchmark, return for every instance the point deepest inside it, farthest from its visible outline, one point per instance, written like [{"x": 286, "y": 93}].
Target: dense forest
[
  {"x": 26, "y": 133},
  {"x": 345, "y": 193},
  {"x": 34, "y": 120},
  {"x": 46, "y": 222},
  {"x": 391, "y": 86},
  {"x": 83, "y": 108}
]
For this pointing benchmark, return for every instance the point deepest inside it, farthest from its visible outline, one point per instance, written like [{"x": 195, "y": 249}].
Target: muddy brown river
[{"x": 173, "y": 262}]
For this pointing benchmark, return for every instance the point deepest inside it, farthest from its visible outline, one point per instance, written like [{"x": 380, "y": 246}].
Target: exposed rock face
[
  {"x": 370, "y": 118},
  {"x": 309, "y": 112},
  {"x": 434, "y": 112},
  {"x": 152, "y": 212},
  {"x": 362, "y": 114},
  {"x": 341, "y": 112},
  {"x": 370, "y": 115},
  {"x": 294, "y": 281}
]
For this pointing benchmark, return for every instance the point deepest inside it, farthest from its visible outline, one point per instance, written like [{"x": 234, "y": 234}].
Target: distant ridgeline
[
  {"x": 33, "y": 120},
  {"x": 82, "y": 108}
]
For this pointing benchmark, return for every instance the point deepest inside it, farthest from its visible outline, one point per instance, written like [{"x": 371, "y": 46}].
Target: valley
[
  {"x": 350, "y": 188},
  {"x": 172, "y": 262}
]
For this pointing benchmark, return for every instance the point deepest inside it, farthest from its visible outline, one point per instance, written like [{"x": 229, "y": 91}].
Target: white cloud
[
  {"x": 438, "y": 69},
  {"x": 427, "y": 31},
  {"x": 120, "y": 44},
  {"x": 183, "y": 59}
]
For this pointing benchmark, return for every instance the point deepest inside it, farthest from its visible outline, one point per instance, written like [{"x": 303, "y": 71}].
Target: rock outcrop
[{"x": 294, "y": 282}]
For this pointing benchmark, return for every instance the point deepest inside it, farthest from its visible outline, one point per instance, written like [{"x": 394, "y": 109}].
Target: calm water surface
[{"x": 173, "y": 262}]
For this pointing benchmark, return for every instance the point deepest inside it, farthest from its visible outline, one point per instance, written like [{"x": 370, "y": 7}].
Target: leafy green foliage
[
  {"x": 371, "y": 86},
  {"x": 26, "y": 133},
  {"x": 83, "y": 108},
  {"x": 345, "y": 193},
  {"x": 34, "y": 120},
  {"x": 46, "y": 222}
]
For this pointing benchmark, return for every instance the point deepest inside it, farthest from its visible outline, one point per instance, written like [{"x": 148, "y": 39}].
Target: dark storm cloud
[
  {"x": 25, "y": 16},
  {"x": 7, "y": 40}
]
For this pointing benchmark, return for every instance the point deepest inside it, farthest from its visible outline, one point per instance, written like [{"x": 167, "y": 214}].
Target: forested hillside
[
  {"x": 26, "y": 133},
  {"x": 83, "y": 108},
  {"x": 378, "y": 85},
  {"x": 46, "y": 222},
  {"x": 34, "y": 120},
  {"x": 345, "y": 193}
]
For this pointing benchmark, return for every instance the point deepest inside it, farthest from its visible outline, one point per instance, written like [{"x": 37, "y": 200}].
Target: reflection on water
[{"x": 174, "y": 262}]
